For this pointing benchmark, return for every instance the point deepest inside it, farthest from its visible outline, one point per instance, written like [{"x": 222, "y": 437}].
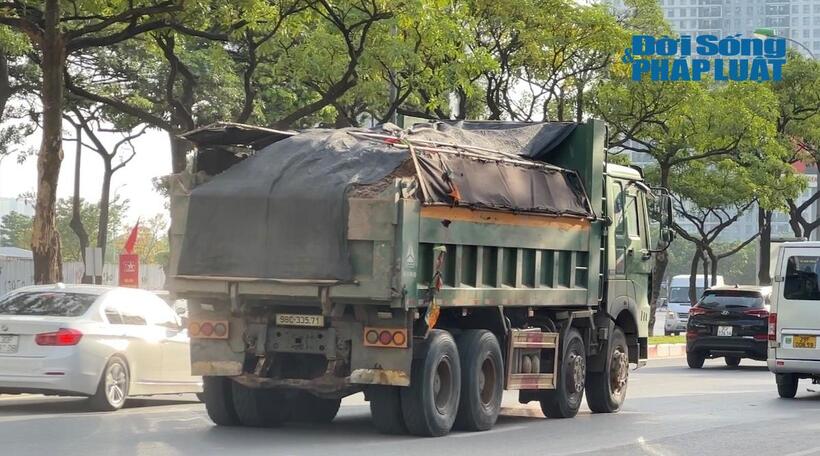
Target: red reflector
[
  {"x": 399, "y": 338},
  {"x": 61, "y": 337},
  {"x": 206, "y": 329},
  {"x": 385, "y": 337},
  {"x": 372, "y": 336},
  {"x": 220, "y": 330},
  {"x": 772, "y": 326},
  {"x": 780, "y": 363},
  {"x": 761, "y": 336},
  {"x": 691, "y": 334}
]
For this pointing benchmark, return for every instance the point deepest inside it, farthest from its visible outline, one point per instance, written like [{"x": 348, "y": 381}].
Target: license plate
[
  {"x": 724, "y": 331},
  {"x": 313, "y": 321},
  {"x": 804, "y": 342},
  {"x": 9, "y": 344}
]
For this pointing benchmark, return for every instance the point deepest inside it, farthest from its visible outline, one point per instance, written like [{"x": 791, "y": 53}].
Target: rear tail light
[
  {"x": 772, "y": 326},
  {"x": 697, "y": 311},
  {"x": 61, "y": 337},
  {"x": 691, "y": 334},
  {"x": 759, "y": 313},
  {"x": 385, "y": 337},
  {"x": 208, "y": 329}
]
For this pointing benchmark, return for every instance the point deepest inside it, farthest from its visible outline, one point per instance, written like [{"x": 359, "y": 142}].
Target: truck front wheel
[
  {"x": 606, "y": 390},
  {"x": 565, "y": 400},
  {"x": 430, "y": 403},
  {"x": 482, "y": 378},
  {"x": 259, "y": 407},
  {"x": 216, "y": 394}
]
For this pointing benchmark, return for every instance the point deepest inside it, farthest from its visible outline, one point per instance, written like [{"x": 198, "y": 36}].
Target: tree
[
  {"x": 89, "y": 216},
  {"x": 15, "y": 230},
  {"x": 55, "y": 33},
  {"x": 682, "y": 123}
]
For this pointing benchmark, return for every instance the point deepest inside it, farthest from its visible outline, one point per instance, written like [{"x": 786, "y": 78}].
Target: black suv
[{"x": 729, "y": 322}]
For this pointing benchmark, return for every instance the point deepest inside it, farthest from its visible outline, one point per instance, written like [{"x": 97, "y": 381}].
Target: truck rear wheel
[
  {"x": 258, "y": 407},
  {"x": 385, "y": 409},
  {"x": 430, "y": 403},
  {"x": 482, "y": 378},
  {"x": 565, "y": 400},
  {"x": 312, "y": 409},
  {"x": 216, "y": 394},
  {"x": 606, "y": 390}
]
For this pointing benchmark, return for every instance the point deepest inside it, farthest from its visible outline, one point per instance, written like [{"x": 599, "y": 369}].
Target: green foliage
[{"x": 15, "y": 230}]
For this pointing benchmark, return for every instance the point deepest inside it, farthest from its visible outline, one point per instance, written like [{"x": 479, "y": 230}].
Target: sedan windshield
[
  {"x": 46, "y": 304},
  {"x": 731, "y": 300}
]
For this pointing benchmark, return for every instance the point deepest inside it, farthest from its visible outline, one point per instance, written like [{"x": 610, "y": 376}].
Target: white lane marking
[
  {"x": 815, "y": 450},
  {"x": 649, "y": 449},
  {"x": 492, "y": 431}
]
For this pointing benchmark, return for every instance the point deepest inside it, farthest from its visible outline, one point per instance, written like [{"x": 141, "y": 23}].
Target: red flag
[{"x": 132, "y": 238}]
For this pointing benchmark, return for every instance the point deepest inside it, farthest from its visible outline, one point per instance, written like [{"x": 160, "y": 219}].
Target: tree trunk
[
  {"x": 76, "y": 222},
  {"x": 764, "y": 223},
  {"x": 661, "y": 261},
  {"x": 45, "y": 239},
  {"x": 713, "y": 267},
  {"x": 693, "y": 272},
  {"x": 179, "y": 153},
  {"x": 105, "y": 197},
  {"x": 579, "y": 103}
]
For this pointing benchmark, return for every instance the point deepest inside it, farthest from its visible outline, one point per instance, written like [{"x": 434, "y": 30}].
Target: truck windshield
[
  {"x": 681, "y": 294},
  {"x": 731, "y": 300},
  {"x": 46, "y": 304}
]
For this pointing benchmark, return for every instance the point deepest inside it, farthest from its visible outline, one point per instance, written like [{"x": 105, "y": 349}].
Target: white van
[
  {"x": 677, "y": 302},
  {"x": 794, "y": 321}
]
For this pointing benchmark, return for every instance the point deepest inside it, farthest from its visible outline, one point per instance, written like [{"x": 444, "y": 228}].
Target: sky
[{"x": 132, "y": 182}]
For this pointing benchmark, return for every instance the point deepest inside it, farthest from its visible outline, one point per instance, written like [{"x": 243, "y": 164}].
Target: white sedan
[{"x": 106, "y": 343}]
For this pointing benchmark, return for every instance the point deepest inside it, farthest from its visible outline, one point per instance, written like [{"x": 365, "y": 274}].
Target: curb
[{"x": 667, "y": 351}]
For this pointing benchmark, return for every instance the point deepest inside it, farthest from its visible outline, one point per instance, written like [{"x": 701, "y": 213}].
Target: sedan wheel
[{"x": 113, "y": 388}]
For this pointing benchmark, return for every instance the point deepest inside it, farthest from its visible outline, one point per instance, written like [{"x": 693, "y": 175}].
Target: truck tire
[
  {"x": 258, "y": 407},
  {"x": 430, "y": 404},
  {"x": 606, "y": 390},
  {"x": 786, "y": 385},
  {"x": 216, "y": 393},
  {"x": 308, "y": 408},
  {"x": 732, "y": 361},
  {"x": 482, "y": 380},
  {"x": 695, "y": 359},
  {"x": 385, "y": 409},
  {"x": 565, "y": 400}
]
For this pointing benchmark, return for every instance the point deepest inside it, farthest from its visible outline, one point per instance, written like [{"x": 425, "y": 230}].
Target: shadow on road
[{"x": 77, "y": 404}]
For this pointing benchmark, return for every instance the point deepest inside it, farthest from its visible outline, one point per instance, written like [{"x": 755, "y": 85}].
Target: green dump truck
[{"x": 430, "y": 268}]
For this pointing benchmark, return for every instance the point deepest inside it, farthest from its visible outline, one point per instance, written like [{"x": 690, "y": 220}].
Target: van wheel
[
  {"x": 430, "y": 404},
  {"x": 385, "y": 409},
  {"x": 565, "y": 400},
  {"x": 482, "y": 378},
  {"x": 732, "y": 361},
  {"x": 113, "y": 388},
  {"x": 216, "y": 394},
  {"x": 258, "y": 407},
  {"x": 786, "y": 385},
  {"x": 606, "y": 390},
  {"x": 695, "y": 359},
  {"x": 313, "y": 409}
]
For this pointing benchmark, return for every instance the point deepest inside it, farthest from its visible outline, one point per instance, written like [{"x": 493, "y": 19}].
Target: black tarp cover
[{"x": 282, "y": 213}]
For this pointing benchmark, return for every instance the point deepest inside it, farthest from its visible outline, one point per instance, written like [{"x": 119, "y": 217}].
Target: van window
[
  {"x": 681, "y": 294},
  {"x": 801, "y": 278}
]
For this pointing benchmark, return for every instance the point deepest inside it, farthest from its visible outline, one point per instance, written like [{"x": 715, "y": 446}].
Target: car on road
[
  {"x": 678, "y": 304},
  {"x": 729, "y": 322},
  {"x": 106, "y": 343},
  {"x": 794, "y": 322}
]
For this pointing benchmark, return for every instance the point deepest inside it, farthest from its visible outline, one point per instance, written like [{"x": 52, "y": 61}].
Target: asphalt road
[{"x": 671, "y": 410}]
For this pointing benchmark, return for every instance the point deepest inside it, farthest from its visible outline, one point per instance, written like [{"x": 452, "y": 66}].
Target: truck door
[
  {"x": 798, "y": 303},
  {"x": 629, "y": 267}
]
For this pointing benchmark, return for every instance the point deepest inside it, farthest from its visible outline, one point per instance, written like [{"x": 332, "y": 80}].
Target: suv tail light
[
  {"x": 61, "y": 337},
  {"x": 760, "y": 313},
  {"x": 772, "y": 326},
  {"x": 697, "y": 311}
]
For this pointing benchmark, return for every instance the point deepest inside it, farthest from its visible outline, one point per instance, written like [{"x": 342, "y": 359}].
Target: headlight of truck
[{"x": 671, "y": 315}]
